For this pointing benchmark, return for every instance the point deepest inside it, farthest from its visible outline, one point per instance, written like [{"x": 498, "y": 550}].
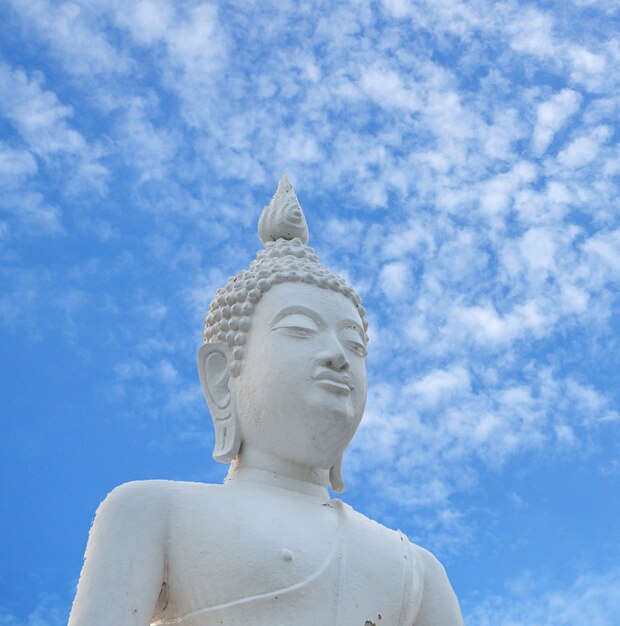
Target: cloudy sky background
[{"x": 458, "y": 162}]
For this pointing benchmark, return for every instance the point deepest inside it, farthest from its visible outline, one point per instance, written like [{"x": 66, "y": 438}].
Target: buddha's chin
[
  {"x": 321, "y": 440},
  {"x": 329, "y": 440},
  {"x": 336, "y": 410},
  {"x": 310, "y": 428}
]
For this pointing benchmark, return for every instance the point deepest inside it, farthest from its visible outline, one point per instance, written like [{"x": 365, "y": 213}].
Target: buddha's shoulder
[
  {"x": 363, "y": 523},
  {"x": 156, "y": 495},
  {"x": 424, "y": 570},
  {"x": 370, "y": 531},
  {"x": 398, "y": 541}
]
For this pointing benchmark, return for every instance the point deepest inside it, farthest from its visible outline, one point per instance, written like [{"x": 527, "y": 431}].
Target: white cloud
[
  {"x": 532, "y": 33},
  {"x": 148, "y": 20},
  {"x": 604, "y": 248},
  {"x": 428, "y": 435},
  {"x": 498, "y": 193},
  {"x": 394, "y": 280},
  {"x": 534, "y": 256},
  {"x": 73, "y": 32},
  {"x": 31, "y": 210},
  {"x": 547, "y": 205},
  {"x": 552, "y": 115},
  {"x": 196, "y": 43},
  {"x": 47, "y": 612},
  {"x": 42, "y": 122},
  {"x": 148, "y": 148},
  {"x": 587, "y": 67},
  {"x": 584, "y": 149},
  {"x": 15, "y": 165},
  {"x": 416, "y": 238},
  {"x": 33, "y": 213},
  {"x": 37, "y": 114},
  {"x": 386, "y": 87},
  {"x": 593, "y": 599},
  {"x": 438, "y": 386}
]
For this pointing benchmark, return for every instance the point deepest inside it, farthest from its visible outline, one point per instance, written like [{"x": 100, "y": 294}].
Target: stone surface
[{"x": 285, "y": 380}]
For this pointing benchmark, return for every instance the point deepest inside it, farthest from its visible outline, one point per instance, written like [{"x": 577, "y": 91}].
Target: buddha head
[{"x": 283, "y": 363}]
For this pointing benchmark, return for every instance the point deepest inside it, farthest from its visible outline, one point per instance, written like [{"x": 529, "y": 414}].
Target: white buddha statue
[{"x": 283, "y": 372}]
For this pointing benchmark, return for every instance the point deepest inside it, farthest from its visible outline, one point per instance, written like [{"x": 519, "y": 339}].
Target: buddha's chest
[
  {"x": 279, "y": 560},
  {"x": 246, "y": 548}
]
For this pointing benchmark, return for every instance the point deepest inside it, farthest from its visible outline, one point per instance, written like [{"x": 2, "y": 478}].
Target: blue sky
[{"x": 457, "y": 161}]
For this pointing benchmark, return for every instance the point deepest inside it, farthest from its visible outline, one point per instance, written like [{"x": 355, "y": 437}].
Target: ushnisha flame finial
[{"x": 283, "y": 217}]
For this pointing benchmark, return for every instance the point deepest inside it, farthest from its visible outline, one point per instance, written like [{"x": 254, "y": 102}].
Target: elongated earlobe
[
  {"x": 214, "y": 361},
  {"x": 335, "y": 476},
  {"x": 227, "y": 439}
]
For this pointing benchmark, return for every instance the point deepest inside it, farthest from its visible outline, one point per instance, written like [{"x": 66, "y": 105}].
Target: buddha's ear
[
  {"x": 335, "y": 476},
  {"x": 214, "y": 361}
]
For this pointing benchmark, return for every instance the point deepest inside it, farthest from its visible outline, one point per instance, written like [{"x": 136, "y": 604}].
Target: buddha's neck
[{"x": 267, "y": 469}]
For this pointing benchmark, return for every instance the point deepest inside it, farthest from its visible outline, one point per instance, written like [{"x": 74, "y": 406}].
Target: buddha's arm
[
  {"x": 440, "y": 606},
  {"x": 124, "y": 563}
]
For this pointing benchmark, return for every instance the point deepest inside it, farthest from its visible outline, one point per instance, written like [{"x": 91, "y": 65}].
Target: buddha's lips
[{"x": 339, "y": 379}]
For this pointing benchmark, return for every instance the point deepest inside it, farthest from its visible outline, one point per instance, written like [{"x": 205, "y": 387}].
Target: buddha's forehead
[{"x": 331, "y": 306}]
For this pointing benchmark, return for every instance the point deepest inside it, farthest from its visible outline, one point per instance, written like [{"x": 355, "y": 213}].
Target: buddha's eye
[
  {"x": 350, "y": 337},
  {"x": 296, "y": 325},
  {"x": 357, "y": 347},
  {"x": 295, "y": 331}
]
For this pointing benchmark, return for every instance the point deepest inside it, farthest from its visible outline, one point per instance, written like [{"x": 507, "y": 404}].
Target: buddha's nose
[{"x": 335, "y": 358}]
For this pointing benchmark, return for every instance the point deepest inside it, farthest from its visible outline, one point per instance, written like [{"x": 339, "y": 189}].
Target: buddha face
[{"x": 302, "y": 388}]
